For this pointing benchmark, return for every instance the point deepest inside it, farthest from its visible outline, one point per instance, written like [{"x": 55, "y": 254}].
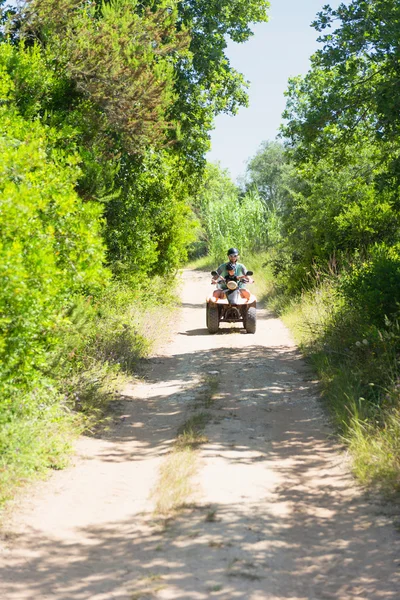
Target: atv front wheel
[
  {"x": 212, "y": 318},
  {"x": 251, "y": 320}
]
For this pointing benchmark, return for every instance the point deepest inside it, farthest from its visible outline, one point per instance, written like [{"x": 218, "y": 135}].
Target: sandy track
[{"x": 275, "y": 514}]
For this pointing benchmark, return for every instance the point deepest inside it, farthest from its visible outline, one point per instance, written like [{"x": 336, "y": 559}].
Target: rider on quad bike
[
  {"x": 231, "y": 271},
  {"x": 231, "y": 302}
]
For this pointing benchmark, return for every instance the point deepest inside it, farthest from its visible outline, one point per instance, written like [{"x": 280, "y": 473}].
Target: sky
[{"x": 278, "y": 50}]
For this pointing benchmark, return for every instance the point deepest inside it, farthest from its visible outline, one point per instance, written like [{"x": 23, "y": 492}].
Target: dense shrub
[
  {"x": 371, "y": 286},
  {"x": 50, "y": 244},
  {"x": 149, "y": 223}
]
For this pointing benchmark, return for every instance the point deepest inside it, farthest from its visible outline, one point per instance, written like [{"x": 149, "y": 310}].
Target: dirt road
[{"x": 273, "y": 513}]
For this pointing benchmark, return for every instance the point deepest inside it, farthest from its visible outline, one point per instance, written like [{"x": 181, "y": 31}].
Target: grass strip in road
[
  {"x": 174, "y": 486},
  {"x": 190, "y": 434}
]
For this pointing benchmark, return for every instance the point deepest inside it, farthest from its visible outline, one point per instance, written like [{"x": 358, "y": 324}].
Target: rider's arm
[
  {"x": 242, "y": 270},
  {"x": 219, "y": 271},
  {"x": 249, "y": 279}
]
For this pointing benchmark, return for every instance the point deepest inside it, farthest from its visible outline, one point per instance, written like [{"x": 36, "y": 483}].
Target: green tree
[
  {"x": 209, "y": 85},
  {"x": 352, "y": 85},
  {"x": 205, "y": 83},
  {"x": 107, "y": 52},
  {"x": 265, "y": 172},
  {"x": 149, "y": 223},
  {"x": 118, "y": 59}
]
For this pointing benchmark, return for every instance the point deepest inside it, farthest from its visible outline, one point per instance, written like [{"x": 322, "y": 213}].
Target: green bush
[
  {"x": 149, "y": 224},
  {"x": 100, "y": 341},
  {"x": 371, "y": 286},
  {"x": 50, "y": 244},
  {"x": 50, "y": 252}
]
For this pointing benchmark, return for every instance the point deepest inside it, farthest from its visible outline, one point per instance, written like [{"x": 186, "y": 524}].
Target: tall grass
[
  {"x": 357, "y": 365},
  {"x": 100, "y": 344}
]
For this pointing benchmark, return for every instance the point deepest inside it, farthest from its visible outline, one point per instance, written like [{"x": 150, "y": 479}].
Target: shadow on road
[
  {"x": 321, "y": 546},
  {"x": 305, "y": 540}
]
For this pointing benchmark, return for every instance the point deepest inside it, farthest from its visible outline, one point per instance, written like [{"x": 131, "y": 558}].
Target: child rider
[{"x": 231, "y": 271}]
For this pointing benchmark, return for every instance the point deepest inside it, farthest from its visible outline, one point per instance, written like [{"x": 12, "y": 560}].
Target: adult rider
[{"x": 240, "y": 271}]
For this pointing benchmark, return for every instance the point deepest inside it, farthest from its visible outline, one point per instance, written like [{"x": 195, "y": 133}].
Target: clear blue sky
[{"x": 278, "y": 50}]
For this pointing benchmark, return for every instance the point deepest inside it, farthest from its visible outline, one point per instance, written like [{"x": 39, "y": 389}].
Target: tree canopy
[{"x": 352, "y": 86}]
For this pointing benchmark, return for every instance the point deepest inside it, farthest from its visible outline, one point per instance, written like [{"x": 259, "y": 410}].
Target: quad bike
[{"x": 232, "y": 308}]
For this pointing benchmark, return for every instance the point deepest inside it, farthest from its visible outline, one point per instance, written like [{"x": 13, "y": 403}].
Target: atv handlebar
[{"x": 245, "y": 278}]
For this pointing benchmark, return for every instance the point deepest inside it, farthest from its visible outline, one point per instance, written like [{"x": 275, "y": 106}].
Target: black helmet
[
  {"x": 230, "y": 267},
  {"x": 232, "y": 251}
]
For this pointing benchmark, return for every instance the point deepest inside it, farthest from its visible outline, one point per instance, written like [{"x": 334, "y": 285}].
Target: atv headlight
[{"x": 232, "y": 285}]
